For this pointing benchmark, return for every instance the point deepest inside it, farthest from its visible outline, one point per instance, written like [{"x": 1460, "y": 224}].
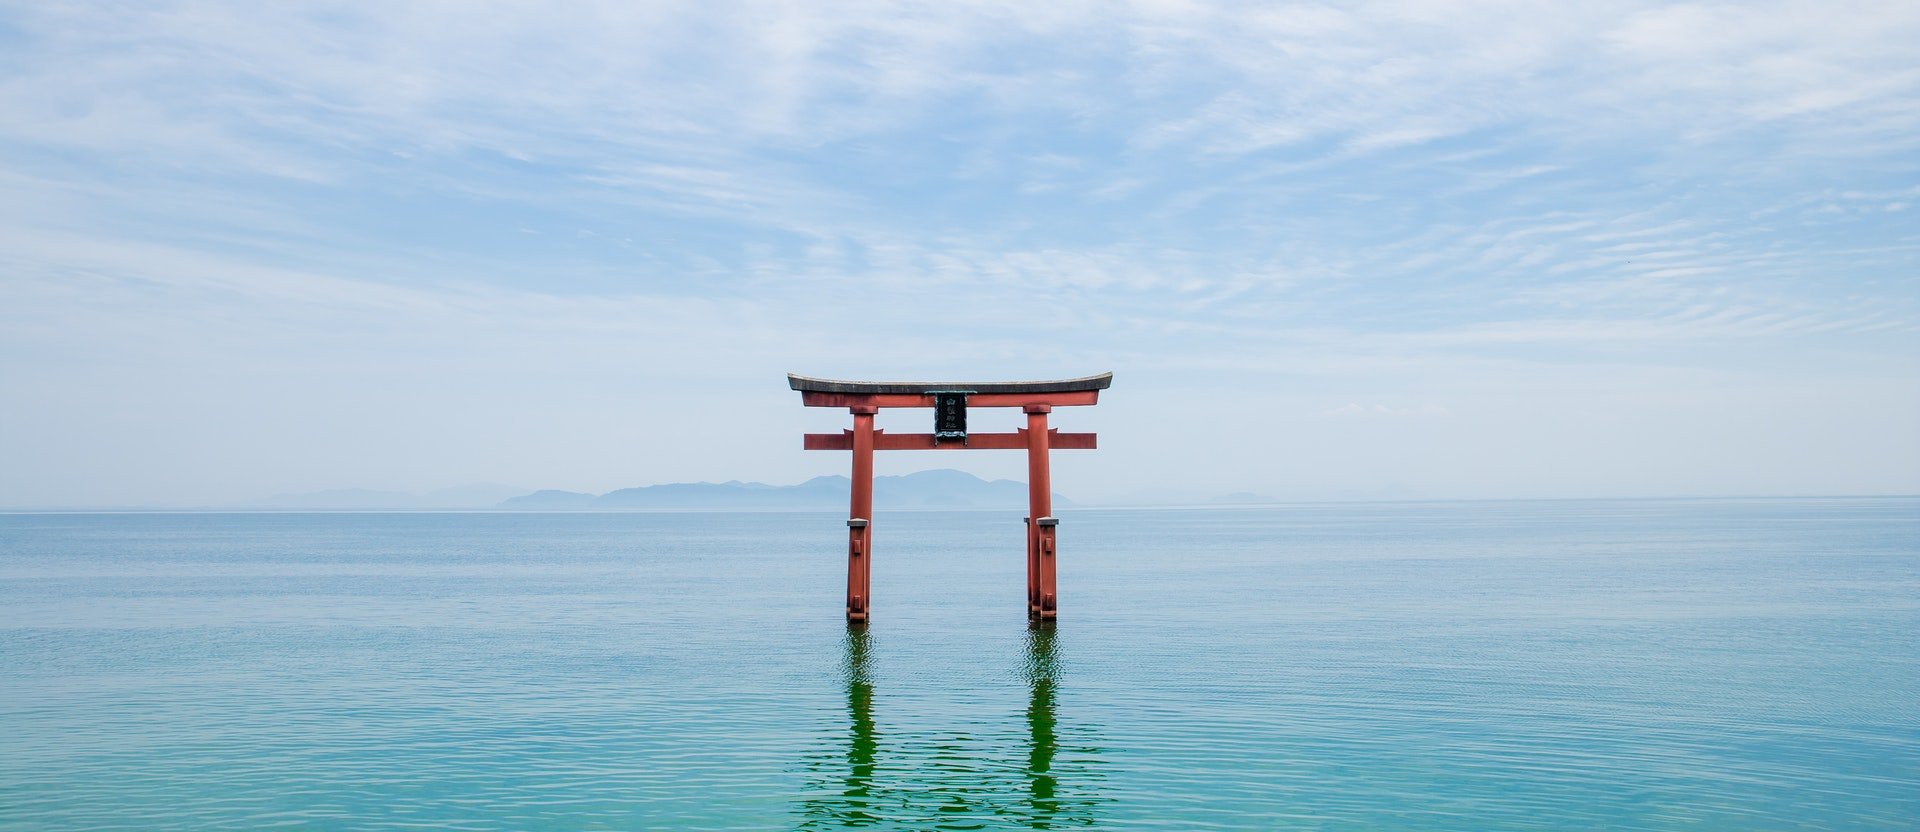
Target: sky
[{"x": 1394, "y": 250}]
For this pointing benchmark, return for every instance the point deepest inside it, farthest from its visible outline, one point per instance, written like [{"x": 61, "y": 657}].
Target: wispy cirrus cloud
[{"x": 1400, "y": 192}]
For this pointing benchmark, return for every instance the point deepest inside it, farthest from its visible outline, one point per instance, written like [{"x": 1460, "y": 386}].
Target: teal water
[{"x": 1461, "y": 666}]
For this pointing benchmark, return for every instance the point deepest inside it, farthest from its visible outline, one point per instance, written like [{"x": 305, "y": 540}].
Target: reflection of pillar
[
  {"x": 930, "y": 785},
  {"x": 1041, "y": 598},
  {"x": 860, "y": 517},
  {"x": 1043, "y": 742},
  {"x": 861, "y": 743}
]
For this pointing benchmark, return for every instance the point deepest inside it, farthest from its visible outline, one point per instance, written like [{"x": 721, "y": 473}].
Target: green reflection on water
[{"x": 957, "y": 781}]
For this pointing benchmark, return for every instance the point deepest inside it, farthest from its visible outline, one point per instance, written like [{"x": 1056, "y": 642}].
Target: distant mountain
[
  {"x": 549, "y": 500},
  {"x": 485, "y": 495},
  {"x": 337, "y": 498},
  {"x": 481, "y": 495},
  {"x": 1242, "y": 498},
  {"x": 942, "y": 488}
]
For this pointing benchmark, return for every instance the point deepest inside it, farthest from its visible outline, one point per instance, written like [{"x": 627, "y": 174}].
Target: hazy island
[{"x": 940, "y": 488}]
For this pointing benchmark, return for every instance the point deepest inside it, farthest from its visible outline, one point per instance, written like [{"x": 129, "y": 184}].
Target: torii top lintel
[{"x": 822, "y": 392}]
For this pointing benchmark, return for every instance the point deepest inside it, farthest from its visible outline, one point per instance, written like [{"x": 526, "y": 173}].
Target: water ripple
[{"x": 1630, "y": 665}]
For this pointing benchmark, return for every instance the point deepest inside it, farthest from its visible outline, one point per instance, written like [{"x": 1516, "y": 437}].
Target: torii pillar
[{"x": 950, "y": 401}]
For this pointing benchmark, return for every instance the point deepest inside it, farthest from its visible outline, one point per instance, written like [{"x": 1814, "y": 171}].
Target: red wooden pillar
[
  {"x": 1042, "y": 599},
  {"x": 860, "y": 516}
]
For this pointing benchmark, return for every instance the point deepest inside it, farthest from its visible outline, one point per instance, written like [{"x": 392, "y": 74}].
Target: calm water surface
[{"x": 1461, "y": 666}]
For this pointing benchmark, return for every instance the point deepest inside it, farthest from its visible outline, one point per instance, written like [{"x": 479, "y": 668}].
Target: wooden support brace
[{"x": 884, "y": 441}]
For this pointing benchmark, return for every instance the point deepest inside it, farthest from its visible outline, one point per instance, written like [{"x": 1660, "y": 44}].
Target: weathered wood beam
[
  {"x": 1072, "y": 398},
  {"x": 807, "y": 384}
]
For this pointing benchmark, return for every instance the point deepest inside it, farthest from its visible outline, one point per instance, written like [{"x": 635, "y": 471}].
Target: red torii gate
[{"x": 950, "y": 401}]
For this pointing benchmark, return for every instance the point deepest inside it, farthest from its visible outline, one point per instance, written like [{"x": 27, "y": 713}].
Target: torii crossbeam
[{"x": 950, "y": 401}]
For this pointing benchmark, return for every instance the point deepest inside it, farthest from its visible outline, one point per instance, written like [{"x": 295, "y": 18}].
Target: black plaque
[{"x": 949, "y": 416}]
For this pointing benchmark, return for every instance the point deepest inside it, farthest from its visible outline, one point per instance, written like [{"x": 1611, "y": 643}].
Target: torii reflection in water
[{"x": 936, "y": 785}]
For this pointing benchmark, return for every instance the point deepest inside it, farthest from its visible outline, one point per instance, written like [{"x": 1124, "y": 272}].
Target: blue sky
[{"x": 1381, "y": 250}]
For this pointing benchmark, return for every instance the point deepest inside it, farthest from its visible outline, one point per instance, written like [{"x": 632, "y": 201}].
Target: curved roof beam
[{"x": 808, "y": 384}]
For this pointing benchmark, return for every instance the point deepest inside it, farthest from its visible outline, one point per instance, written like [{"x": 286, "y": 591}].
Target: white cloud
[
  {"x": 1351, "y": 200},
  {"x": 269, "y": 87}
]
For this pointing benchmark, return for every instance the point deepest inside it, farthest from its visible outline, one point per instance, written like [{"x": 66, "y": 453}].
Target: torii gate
[{"x": 950, "y": 401}]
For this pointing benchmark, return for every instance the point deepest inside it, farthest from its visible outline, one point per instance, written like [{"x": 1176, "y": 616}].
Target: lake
[{"x": 1684, "y": 664}]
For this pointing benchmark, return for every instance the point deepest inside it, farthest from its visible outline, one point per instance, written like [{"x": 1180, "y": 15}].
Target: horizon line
[{"x": 1079, "y": 505}]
